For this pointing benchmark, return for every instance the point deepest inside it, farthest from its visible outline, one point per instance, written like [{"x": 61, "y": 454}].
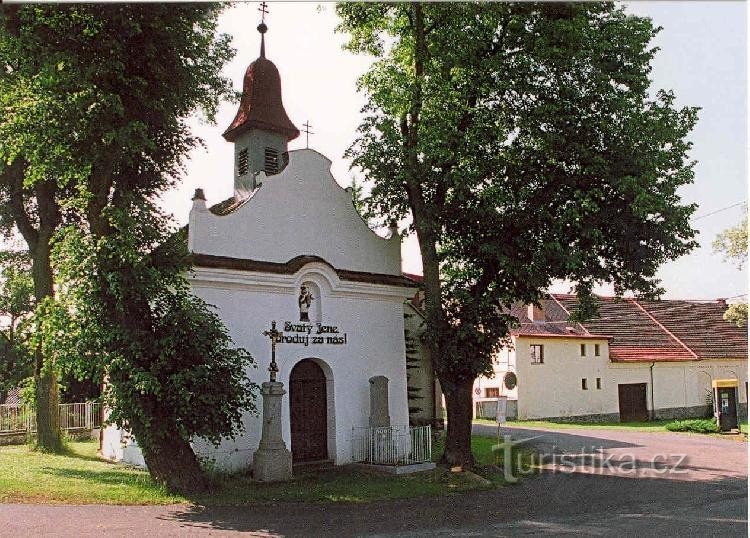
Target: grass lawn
[
  {"x": 76, "y": 477},
  {"x": 80, "y": 477}
]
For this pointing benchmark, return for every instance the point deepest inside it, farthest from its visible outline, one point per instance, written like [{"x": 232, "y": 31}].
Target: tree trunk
[
  {"x": 38, "y": 238},
  {"x": 45, "y": 376},
  {"x": 459, "y": 407},
  {"x": 172, "y": 462}
]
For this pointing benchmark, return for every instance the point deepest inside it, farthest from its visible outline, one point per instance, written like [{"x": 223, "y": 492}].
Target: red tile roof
[{"x": 666, "y": 330}]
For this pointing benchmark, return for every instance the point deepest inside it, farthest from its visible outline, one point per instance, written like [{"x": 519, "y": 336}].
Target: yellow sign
[{"x": 724, "y": 383}]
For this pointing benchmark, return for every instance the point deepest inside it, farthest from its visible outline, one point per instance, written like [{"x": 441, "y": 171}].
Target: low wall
[
  {"x": 679, "y": 413},
  {"x": 592, "y": 419},
  {"x": 488, "y": 409}
]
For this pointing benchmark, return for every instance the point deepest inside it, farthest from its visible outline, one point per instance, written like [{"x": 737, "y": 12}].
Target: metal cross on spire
[
  {"x": 275, "y": 337},
  {"x": 262, "y": 28},
  {"x": 307, "y": 132}
]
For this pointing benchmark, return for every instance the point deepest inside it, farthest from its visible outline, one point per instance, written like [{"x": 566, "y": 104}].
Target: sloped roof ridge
[
  {"x": 662, "y": 327},
  {"x": 585, "y": 330}
]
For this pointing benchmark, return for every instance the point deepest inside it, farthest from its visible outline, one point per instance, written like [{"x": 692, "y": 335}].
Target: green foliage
[
  {"x": 16, "y": 306},
  {"x": 522, "y": 140},
  {"x": 693, "y": 425},
  {"x": 538, "y": 150},
  {"x": 737, "y": 314},
  {"x": 732, "y": 242},
  {"x": 412, "y": 363},
  {"x": 98, "y": 100},
  {"x": 166, "y": 354},
  {"x": 358, "y": 199},
  {"x": 28, "y": 391}
]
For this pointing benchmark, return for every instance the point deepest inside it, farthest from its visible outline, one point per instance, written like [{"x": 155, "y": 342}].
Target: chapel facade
[{"x": 290, "y": 247}]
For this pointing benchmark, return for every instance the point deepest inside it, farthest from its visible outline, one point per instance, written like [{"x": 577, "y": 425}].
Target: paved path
[{"x": 592, "y": 496}]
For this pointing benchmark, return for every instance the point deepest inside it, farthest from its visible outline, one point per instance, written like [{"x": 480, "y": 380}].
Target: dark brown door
[
  {"x": 309, "y": 424},
  {"x": 632, "y": 402},
  {"x": 727, "y": 408}
]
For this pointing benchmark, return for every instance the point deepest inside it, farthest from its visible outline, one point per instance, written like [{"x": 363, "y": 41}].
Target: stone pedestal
[{"x": 272, "y": 461}]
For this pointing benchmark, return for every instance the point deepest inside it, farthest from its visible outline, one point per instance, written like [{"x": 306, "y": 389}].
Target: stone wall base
[
  {"x": 593, "y": 418},
  {"x": 669, "y": 413},
  {"x": 680, "y": 413}
]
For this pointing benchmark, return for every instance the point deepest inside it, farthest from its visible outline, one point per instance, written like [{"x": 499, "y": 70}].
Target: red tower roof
[{"x": 261, "y": 106}]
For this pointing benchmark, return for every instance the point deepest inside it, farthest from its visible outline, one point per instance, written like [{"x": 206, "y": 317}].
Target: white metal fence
[
  {"x": 392, "y": 445},
  {"x": 21, "y": 418}
]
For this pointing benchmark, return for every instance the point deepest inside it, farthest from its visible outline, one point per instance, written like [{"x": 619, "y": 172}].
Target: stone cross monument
[{"x": 272, "y": 461}]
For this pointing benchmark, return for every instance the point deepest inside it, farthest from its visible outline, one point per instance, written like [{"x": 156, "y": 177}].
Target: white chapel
[{"x": 290, "y": 247}]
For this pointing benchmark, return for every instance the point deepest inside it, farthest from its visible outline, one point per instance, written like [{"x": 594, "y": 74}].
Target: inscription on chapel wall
[{"x": 312, "y": 334}]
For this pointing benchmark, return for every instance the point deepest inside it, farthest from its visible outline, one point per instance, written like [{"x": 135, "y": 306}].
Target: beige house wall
[{"x": 554, "y": 389}]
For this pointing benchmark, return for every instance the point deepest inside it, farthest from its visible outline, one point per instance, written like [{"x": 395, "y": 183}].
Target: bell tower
[{"x": 261, "y": 128}]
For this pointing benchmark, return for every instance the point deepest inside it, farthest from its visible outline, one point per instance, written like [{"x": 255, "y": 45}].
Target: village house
[
  {"x": 637, "y": 360},
  {"x": 289, "y": 247}
]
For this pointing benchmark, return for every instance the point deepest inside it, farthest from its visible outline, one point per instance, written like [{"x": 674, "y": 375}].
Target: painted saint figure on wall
[{"x": 305, "y": 299}]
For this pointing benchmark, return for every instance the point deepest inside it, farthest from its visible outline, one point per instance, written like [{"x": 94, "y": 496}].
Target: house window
[
  {"x": 596, "y": 350},
  {"x": 584, "y": 384},
  {"x": 242, "y": 163},
  {"x": 598, "y": 382},
  {"x": 537, "y": 353},
  {"x": 492, "y": 392},
  {"x": 583, "y": 350},
  {"x": 271, "y": 161}
]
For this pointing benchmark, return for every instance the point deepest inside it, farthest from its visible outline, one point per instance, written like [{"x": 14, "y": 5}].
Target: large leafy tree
[
  {"x": 97, "y": 101},
  {"x": 522, "y": 141}
]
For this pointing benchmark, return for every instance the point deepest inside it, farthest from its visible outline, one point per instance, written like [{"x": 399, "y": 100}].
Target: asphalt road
[{"x": 597, "y": 483}]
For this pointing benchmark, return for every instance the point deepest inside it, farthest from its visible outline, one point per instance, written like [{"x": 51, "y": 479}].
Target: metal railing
[
  {"x": 392, "y": 445},
  {"x": 21, "y": 418}
]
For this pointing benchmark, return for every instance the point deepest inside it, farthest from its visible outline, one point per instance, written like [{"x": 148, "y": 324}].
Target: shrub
[{"x": 698, "y": 425}]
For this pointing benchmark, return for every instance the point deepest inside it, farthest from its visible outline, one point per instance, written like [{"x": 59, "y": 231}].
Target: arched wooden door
[{"x": 308, "y": 412}]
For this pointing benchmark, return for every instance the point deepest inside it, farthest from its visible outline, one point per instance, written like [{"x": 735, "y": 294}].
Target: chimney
[
  {"x": 535, "y": 312},
  {"x": 722, "y": 302}
]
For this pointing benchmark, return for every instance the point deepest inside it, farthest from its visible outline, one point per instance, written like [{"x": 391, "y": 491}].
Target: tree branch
[{"x": 12, "y": 176}]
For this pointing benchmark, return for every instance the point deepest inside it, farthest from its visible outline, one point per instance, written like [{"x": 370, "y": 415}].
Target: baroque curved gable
[{"x": 301, "y": 211}]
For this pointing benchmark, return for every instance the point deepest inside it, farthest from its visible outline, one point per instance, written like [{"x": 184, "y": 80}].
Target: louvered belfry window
[
  {"x": 271, "y": 161},
  {"x": 242, "y": 163}
]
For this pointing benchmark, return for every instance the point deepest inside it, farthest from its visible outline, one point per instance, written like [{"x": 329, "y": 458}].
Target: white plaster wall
[
  {"x": 553, "y": 389},
  {"x": 502, "y": 362},
  {"x": 371, "y": 316},
  {"x": 301, "y": 211},
  {"x": 683, "y": 384},
  {"x": 111, "y": 443}
]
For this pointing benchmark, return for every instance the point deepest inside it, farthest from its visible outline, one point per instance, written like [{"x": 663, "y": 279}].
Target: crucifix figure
[
  {"x": 275, "y": 337},
  {"x": 307, "y": 132}
]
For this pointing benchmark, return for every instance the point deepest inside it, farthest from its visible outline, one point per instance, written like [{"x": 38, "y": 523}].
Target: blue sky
[{"x": 703, "y": 58}]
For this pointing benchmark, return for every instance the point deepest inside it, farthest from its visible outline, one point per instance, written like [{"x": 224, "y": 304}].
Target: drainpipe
[{"x": 653, "y": 406}]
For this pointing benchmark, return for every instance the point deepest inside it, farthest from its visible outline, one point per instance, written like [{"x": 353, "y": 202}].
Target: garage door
[{"x": 632, "y": 402}]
